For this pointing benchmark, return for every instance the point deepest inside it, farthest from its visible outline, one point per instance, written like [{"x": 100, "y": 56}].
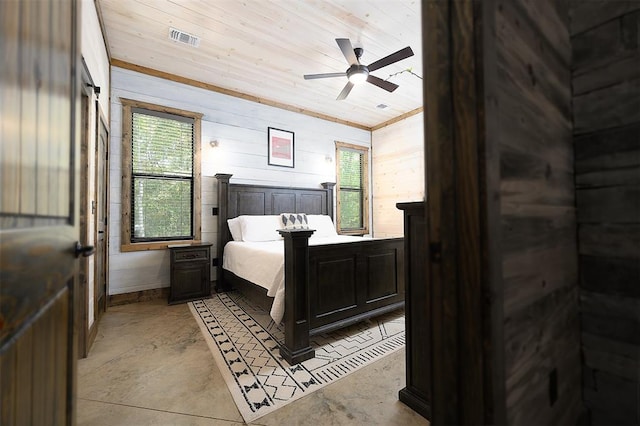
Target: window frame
[
  {"x": 126, "y": 245},
  {"x": 364, "y": 151}
]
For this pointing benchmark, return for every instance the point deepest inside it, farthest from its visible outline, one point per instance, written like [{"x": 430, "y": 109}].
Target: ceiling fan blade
[
  {"x": 388, "y": 60},
  {"x": 325, "y": 75},
  {"x": 345, "y": 91},
  {"x": 383, "y": 84},
  {"x": 347, "y": 50}
]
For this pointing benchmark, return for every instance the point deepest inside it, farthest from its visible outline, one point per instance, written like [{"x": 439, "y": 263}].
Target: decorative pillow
[
  {"x": 260, "y": 228},
  {"x": 322, "y": 224},
  {"x": 294, "y": 221},
  {"x": 235, "y": 227}
]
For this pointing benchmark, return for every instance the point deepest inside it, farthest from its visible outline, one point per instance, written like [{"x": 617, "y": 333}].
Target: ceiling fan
[{"x": 358, "y": 73}]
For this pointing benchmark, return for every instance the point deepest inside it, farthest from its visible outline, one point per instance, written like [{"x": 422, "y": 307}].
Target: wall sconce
[{"x": 214, "y": 143}]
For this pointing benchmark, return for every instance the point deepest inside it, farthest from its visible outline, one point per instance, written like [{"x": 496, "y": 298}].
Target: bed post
[
  {"x": 329, "y": 187},
  {"x": 223, "y": 229},
  {"x": 296, "y": 346}
]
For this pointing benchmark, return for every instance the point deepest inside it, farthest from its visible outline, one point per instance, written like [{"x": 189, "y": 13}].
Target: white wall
[
  {"x": 95, "y": 56},
  {"x": 398, "y": 173},
  {"x": 94, "y": 52},
  {"x": 240, "y": 127}
]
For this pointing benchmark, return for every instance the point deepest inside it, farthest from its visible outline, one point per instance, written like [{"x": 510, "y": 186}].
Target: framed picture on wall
[{"x": 281, "y": 147}]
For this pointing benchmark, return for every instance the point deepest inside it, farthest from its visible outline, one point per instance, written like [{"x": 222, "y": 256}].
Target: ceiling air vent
[{"x": 182, "y": 37}]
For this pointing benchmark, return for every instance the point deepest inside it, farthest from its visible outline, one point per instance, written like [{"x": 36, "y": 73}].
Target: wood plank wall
[
  {"x": 538, "y": 219},
  {"x": 397, "y": 164},
  {"x": 606, "y": 97}
]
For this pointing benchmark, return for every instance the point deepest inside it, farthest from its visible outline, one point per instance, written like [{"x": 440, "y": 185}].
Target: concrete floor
[{"x": 150, "y": 365}]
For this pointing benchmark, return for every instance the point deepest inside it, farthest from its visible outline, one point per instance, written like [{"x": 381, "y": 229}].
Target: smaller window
[{"x": 352, "y": 195}]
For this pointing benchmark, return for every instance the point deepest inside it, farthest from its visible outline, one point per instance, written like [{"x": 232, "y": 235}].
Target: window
[
  {"x": 353, "y": 199},
  {"x": 161, "y": 176}
]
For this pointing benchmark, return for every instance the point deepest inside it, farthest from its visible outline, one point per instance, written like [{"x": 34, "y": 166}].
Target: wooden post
[
  {"x": 223, "y": 229},
  {"x": 296, "y": 346},
  {"x": 329, "y": 187},
  {"x": 416, "y": 393}
]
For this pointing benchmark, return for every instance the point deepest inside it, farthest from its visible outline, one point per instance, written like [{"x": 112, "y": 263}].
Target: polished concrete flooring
[{"x": 149, "y": 365}]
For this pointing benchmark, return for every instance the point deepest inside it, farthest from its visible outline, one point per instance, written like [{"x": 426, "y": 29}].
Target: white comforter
[{"x": 262, "y": 263}]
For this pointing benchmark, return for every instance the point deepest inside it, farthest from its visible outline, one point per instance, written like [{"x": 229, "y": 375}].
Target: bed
[{"x": 328, "y": 284}]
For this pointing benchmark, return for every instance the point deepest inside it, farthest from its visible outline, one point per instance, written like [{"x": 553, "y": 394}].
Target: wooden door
[
  {"x": 38, "y": 211},
  {"x": 102, "y": 178},
  {"x": 85, "y": 213}
]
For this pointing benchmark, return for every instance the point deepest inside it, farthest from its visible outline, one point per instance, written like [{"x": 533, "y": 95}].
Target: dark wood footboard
[
  {"x": 332, "y": 286},
  {"x": 352, "y": 281}
]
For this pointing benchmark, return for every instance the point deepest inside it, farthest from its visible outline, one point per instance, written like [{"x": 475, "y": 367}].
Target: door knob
[{"x": 85, "y": 251}]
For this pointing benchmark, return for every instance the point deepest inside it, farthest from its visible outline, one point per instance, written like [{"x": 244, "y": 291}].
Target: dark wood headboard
[{"x": 240, "y": 199}]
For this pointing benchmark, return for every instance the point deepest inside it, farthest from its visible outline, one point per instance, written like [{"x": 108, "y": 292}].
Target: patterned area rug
[{"x": 244, "y": 344}]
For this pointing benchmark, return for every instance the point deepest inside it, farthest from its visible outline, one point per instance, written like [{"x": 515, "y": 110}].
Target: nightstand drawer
[{"x": 199, "y": 254}]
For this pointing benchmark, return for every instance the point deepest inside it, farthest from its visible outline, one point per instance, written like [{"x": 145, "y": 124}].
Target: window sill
[
  {"x": 156, "y": 245},
  {"x": 357, "y": 233}
]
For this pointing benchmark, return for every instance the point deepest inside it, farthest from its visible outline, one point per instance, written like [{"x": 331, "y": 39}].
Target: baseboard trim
[{"x": 138, "y": 296}]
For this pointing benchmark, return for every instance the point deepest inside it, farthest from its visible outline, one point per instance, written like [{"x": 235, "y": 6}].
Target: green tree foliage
[
  {"x": 350, "y": 169},
  {"x": 162, "y": 177}
]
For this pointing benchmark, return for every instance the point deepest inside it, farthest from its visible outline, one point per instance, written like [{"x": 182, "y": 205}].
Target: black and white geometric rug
[{"x": 244, "y": 344}]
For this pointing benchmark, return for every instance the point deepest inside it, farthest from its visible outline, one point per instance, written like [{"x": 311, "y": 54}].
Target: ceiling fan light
[{"x": 358, "y": 76}]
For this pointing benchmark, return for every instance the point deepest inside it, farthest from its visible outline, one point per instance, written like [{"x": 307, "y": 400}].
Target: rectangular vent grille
[{"x": 182, "y": 37}]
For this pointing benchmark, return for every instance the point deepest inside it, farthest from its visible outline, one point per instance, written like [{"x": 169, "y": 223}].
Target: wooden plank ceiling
[{"x": 262, "y": 48}]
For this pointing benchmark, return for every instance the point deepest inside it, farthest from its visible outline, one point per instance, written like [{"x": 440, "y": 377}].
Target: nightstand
[{"x": 190, "y": 272}]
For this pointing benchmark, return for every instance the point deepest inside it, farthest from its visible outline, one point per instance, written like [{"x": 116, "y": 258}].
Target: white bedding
[{"x": 262, "y": 263}]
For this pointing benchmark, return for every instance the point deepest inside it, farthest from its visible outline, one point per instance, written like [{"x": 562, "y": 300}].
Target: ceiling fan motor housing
[{"x": 357, "y": 73}]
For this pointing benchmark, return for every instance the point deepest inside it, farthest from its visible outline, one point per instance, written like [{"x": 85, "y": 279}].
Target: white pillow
[
  {"x": 260, "y": 228},
  {"x": 322, "y": 224},
  {"x": 235, "y": 228},
  {"x": 294, "y": 221}
]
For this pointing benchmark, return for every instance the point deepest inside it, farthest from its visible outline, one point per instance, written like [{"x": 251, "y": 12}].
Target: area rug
[{"x": 244, "y": 345}]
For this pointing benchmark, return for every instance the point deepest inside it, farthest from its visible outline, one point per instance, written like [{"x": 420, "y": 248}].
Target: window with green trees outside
[
  {"x": 161, "y": 168},
  {"x": 351, "y": 193},
  {"x": 161, "y": 176}
]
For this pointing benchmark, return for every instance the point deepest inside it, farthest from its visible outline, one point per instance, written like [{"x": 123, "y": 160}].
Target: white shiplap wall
[
  {"x": 94, "y": 53},
  {"x": 398, "y": 173},
  {"x": 240, "y": 127}
]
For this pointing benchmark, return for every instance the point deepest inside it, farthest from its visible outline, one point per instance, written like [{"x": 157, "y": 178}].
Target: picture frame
[{"x": 281, "y": 147}]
